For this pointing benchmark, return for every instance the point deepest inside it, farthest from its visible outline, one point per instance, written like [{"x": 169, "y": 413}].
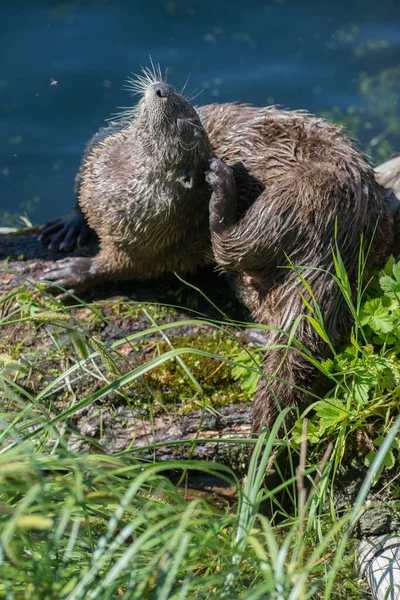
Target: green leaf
[
  {"x": 318, "y": 328},
  {"x": 390, "y": 286},
  {"x": 396, "y": 271},
  {"x": 388, "y": 462},
  {"x": 381, "y": 339},
  {"x": 250, "y": 382},
  {"x": 396, "y": 443},
  {"x": 364, "y": 380},
  {"x": 361, "y": 392},
  {"x": 388, "y": 268},
  {"x": 330, "y": 411},
  {"x": 388, "y": 379},
  {"x": 248, "y": 379},
  {"x": 312, "y": 432},
  {"x": 328, "y": 366},
  {"x": 377, "y": 316}
]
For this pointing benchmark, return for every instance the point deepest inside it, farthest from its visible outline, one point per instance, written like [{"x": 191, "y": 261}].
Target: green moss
[
  {"x": 46, "y": 337},
  {"x": 215, "y": 376}
]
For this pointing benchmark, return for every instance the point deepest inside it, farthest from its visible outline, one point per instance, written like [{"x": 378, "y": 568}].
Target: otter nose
[{"x": 161, "y": 89}]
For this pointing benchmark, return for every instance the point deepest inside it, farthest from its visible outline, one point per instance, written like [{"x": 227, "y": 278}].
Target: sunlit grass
[{"x": 100, "y": 526}]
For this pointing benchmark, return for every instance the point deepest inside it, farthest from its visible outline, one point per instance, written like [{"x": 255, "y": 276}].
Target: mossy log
[{"x": 113, "y": 426}]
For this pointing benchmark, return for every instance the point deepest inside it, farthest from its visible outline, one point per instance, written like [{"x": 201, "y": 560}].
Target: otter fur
[
  {"x": 317, "y": 193},
  {"x": 142, "y": 189},
  {"x": 287, "y": 189}
]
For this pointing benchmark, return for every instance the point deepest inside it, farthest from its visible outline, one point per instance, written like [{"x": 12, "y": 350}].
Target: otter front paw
[
  {"x": 224, "y": 197},
  {"x": 70, "y": 274},
  {"x": 65, "y": 233}
]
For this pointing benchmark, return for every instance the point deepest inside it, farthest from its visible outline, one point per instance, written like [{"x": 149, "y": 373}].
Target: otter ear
[{"x": 186, "y": 179}]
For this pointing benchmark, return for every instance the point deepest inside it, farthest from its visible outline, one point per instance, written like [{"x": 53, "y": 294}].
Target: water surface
[{"x": 63, "y": 66}]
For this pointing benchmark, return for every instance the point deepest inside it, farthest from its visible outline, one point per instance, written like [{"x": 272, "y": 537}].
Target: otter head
[
  {"x": 166, "y": 111},
  {"x": 170, "y": 130}
]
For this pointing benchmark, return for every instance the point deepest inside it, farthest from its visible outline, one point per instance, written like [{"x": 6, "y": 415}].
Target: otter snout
[{"x": 161, "y": 90}]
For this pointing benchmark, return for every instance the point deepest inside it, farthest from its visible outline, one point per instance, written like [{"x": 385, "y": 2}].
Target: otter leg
[
  {"x": 78, "y": 274},
  {"x": 224, "y": 197},
  {"x": 75, "y": 275},
  {"x": 65, "y": 233},
  {"x": 252, "y": 241}
]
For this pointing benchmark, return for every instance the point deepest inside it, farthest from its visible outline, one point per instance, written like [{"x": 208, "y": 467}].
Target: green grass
[
  {"x": 100, "y": 527},
  {"x": 94, "y": 525}
]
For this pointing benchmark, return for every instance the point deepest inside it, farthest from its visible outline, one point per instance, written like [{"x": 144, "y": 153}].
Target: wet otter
[
  {"x": 286, "y": 187},
  {"x": 317, "y": 191},
  {"x": 142, "y": 188}
]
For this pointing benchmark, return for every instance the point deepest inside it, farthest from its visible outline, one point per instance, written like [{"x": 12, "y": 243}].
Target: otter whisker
[
  {"x": 190, "y": 98},
  {"x": 156, "y": 71},
  {"x": 199, "y": 127},
  {"x": 184, "y": 87},
  {"x": 192, "y": 92},
  {"x": 128, "y": 113},
  {"x": 139, "y": 82}
]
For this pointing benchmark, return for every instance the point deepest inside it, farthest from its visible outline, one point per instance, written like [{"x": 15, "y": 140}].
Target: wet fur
[
  {"x": 310, "y": 178},
  {"x": 142, "y": 189}
]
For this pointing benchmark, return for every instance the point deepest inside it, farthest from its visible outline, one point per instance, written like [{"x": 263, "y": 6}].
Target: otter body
[
  {"x": 286, "y": 188},
  {"x": 316, "y": 193},
  {"x": 142, "y": 189}
]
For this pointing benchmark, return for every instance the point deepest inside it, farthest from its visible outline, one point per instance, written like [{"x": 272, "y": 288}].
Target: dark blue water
[{"x": 63, "y": 66}]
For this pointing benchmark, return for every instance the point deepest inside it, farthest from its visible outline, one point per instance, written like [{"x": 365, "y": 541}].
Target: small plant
[
  {"x": 248, "y": 379},
  {"x": 364, "y": 399}
]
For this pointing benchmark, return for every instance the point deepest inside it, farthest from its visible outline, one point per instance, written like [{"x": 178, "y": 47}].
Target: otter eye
[{"x": 187, "y": 179}]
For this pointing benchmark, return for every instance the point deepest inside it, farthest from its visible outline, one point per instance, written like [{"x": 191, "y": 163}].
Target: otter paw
[
  {"x": 220, "y": 176},
  {"x": 66, "y": 233},
  {"x": 68, "y": 276},
  {"x": 223, "y": 200},
  {"x": 254, "y": 337}
]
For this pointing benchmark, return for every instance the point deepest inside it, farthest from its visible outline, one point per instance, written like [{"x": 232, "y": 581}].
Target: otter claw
[
  {"x": 220, "y": 177},
  {"x": 212, "y": 178},
  {"x": 219, "y": 166},
  {"x": 65, "y": 234},
  {"x": 71, "y": 274}
]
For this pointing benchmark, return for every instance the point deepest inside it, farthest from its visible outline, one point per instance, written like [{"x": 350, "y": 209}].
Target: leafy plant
[
  {"x": 366, "y": 373},
  {"x": 248, "y": 379}
]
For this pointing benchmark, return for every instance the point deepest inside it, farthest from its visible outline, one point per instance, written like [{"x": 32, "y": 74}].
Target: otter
[
  {"x": 318, "y": 196},
  {"x": 287, "y": 189},
  {"x": 142, "y": 189}
]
